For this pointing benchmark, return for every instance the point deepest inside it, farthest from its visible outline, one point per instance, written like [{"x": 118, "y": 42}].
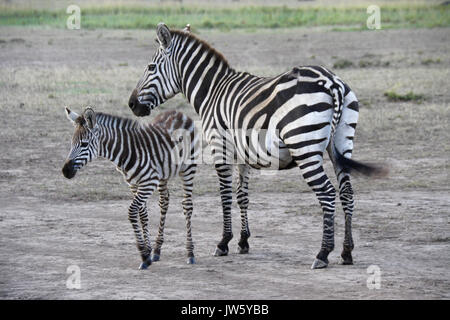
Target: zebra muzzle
[
  {"x": 139, "y": 109},
  {"x": 68, "y": 170}
]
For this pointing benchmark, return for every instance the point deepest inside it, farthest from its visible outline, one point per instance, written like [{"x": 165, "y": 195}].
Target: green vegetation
[
  {"x": 342, "y": 63},
  {"x": 427, "y": 62},
  {"x": 132, "y": 17},
  {"x": 375, "y": 63},
  {"x": 410, "y": 96}
]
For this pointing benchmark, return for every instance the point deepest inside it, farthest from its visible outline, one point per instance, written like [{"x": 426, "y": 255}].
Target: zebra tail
[
  {"x": 349, "y": 165},
  {"x": 366, "y": 169}
]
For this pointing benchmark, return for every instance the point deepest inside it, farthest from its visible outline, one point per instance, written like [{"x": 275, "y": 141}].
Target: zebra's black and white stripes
[
  {"x": 280, "y": 122},
  {"x": 147, "y": 155}
]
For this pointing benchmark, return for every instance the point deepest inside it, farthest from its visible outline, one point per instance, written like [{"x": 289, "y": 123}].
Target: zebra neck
[
  {"x": 200, "y": 84},
  {"x": 205, "y": 74},
  {"x": 115, "y": 137}
]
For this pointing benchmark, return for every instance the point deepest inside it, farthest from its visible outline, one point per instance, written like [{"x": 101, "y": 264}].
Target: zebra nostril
[
  {"x": 132, "y": 102},
  {"x": 68, "y": 170}
]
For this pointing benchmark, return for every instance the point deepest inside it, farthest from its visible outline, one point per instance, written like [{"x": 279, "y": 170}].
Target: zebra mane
[
  {"x": 205, "y": 44},
  {"x": 124, "y": 122}
]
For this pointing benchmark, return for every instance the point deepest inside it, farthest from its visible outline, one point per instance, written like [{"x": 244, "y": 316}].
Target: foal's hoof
[
  {"x": 319, "y": 264},
  {"x": 145, "y": 265},
  {"x": 219, "y": 252},
  {"x": 155, "y": 257},
  {"x": 190, "y": 260},
  {"x": 243, "y": 250}
]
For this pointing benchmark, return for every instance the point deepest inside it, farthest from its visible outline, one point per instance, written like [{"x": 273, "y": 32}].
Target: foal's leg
[
  {"x": 142, "y": 192},
  {"x": 143, "y": 217},
  {"x": 163, "y": 205}
]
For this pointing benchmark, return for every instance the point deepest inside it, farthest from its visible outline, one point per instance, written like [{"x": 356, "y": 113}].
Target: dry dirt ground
[{"x": 48, "y": 223}]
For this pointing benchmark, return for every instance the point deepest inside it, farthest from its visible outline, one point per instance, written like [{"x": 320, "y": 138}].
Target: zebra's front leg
[
  {"x": 163, "y": 205},
  {"x": 143, "y": 217},
  {"x": 139, "y": 201},
  {"x": 242, "y": 200},
  {"x": 225, "y": 174}
]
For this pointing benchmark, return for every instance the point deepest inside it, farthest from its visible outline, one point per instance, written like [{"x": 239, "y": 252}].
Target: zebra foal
[{"x": 147, "y": 156}]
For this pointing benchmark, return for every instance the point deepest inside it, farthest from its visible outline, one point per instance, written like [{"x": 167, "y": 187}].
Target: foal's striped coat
[{"x": 147, "y": 155}]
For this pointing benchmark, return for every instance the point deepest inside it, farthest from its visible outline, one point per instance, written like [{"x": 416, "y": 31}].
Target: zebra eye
[
  {"x": 84, "y": 144},
  {"x": 151, "y": 67}
]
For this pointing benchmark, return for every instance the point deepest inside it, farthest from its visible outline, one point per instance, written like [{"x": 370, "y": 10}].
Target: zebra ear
[
  {"x": 187, "y": 29},
  {"x": 72, "y": 116},
  {"x": 89, "y": 116},
  {"x": 164, "y": 35}
]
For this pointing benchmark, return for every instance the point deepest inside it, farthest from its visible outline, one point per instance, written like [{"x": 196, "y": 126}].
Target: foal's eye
[
  {"x": 151, "y": 67},
  {"x": 84, "y": 144}
]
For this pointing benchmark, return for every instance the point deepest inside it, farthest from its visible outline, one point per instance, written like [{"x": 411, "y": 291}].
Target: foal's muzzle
[{"x": 68, "y": 170}]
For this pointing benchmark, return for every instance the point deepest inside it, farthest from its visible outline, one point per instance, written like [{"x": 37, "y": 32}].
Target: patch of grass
[
  {"x": 377, "y": 63},
  {"x": 427, "y": 62},
  {"x": 342, "y": 64},
  {"x": 410, "y": 96},
  {"x": 138, "y": 17}
]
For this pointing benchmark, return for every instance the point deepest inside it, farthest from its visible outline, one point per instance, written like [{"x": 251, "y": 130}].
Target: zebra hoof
[
  {"x": 244, "y": 250},
  {"x": 219, "y": 252},
  {"x": 346, "y": 259},
  {"x": 155, "y": 257},
  {"x": 319, "y": 264},
  {"x": 190, "y": 260},
  {"x": 144, "y": 265},
  {"x": 345, "y": 262}
]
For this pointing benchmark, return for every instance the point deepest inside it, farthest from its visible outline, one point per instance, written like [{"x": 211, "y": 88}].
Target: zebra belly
[{"x": 262, "y": 150}]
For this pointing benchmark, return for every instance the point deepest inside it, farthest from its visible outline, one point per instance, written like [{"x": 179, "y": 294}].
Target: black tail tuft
[{"x": 370, "y": 170}]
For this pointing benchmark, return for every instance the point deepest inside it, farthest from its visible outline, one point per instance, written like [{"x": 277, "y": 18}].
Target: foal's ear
[
  {"x": 72, "y": 116},
  {"x": 164, "y": 35},
  {"x": 89, "y": 116}
]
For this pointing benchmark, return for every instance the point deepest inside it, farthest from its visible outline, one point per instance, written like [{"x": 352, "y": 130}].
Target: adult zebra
[
  {"x": 147, "y": 156},
  {"x": 284, "y": 122}
]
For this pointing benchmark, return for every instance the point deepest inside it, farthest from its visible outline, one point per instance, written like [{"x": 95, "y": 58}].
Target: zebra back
[{"x": 180, "y": 128}]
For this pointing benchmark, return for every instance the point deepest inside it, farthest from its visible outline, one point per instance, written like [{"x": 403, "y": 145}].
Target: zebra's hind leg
[
  {"x": 242, "y": 200},
  {"x": 224, "y": 172},
  {"x": 315, "y": 176},
  {"x": 346, "y": 197},
  {"x": 163, "y": 205},
  {"x": 187, "y": 176}
]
